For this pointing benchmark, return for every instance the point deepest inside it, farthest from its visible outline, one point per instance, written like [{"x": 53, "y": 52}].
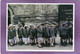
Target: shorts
[
  {"x": 25, "y": 40},
  {"x": 52, "y": 37},
  {"x": 64, "y": 36},
  {"x": 46, "y": 37},
  {"x": 20, "y": 37},
  {"x": 32, "y": 38},
  {"x": 15, "y": 38},
  {"x": 70, "y": 36},
  {"x": 40, "y": 39},
  {"x": 11, "y": 40}
]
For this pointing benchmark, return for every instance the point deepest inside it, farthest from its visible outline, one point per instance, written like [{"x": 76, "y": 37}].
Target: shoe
[
  {"x": 11, "y": 44},
  {"x": 71, "y": 43},
  {"x": 26, "y": 44},
  {"x": 51, "y": 45},
  {"x": 64, "y": 44},
  {"x": 40, "y": 46},
  {"x": 31, "y": 44}
]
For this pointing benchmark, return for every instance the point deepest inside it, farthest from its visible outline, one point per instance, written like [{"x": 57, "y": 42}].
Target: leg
[
  {"x": 11, "y": 42},
  {"x": 15, "y": 38},
  {"x": 25, "y": 41},
  {"x": 47, "y": 42},
  {"x": 53, "y": 41}
]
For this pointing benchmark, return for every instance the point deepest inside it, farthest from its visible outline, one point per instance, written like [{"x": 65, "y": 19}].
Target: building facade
[
  {"x": 38, "y": 13},
  {"x": 29, "y": 13}
]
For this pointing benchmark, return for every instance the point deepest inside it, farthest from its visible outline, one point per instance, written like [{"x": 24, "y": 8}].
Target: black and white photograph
[{"x": 40, "y": 27}]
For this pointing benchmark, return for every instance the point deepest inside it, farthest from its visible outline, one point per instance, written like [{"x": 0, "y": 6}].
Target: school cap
[
  {"x": 13, "y": 25},
  {"x": 65, "y": 23},
  {"x": 42, "y": 23},
  {"x": 26, "y": 25},
  {"x": 71, "y": 22},
  {"x": 39, "y": 25},
  {"x": 10, "y": 25},
  {"x": 61, "y": 22},
  {"x": 54, "y": 23},
  {"x": 47, "y": 22},
  {"x": 31, "y": 25},
  {"x": 20, "y": 25}
]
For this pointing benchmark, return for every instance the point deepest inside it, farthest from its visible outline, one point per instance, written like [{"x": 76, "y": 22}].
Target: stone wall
[
  {"x": 34, "y": 10},
  {"x": 27, "y": 9}
]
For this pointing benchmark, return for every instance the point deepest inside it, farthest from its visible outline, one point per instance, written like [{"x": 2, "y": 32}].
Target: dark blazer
[
  {"x": 20, "y": 32},
  {"x": 52, "y": 32},
  {"x": 14, "y": 30},
  {"x": 55, "y": 31},
  {"x": 64, "y": 32},
  {"x": 70, "y": 32},
  {"x": 46, "y": 31},
  {"x": 11, "y": 34},
  {"x": 60, "y": 30},
  {"x": 36, "y": 32},
  {"x": 39, "y": 32},
  {"x": 32, "y": 33},
  {"x": 25, "y": 32}
]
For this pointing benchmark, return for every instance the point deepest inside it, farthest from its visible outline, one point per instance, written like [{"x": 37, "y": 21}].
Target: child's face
[
  {"x": 60, "y": 24},
  {"x": 47, "y": 24},
  {"x": 11, "y": 28},
  {"x": 66, "y": 24},
  {"x": 33, "y": 27},
  {"x": 40, "y": 26},
  {"x": 52, "y": 26},
  {"x": 70, "y": 25}
]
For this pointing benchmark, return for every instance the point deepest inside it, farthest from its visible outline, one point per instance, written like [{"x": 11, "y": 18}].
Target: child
[
  {"x": 70, "y": 32},
  {"x": 32, "y": 34},
  {"x": 60, "y": 28},
  {"x": 46, "y": 31},
  {"x": 15, "y": 38},
  {"x": 20, "y": 34},
  {"x": 25, "y": 35},
  {"x": 39, "y": 36},
  {"x": 52, "y": 35},
  {"x": 64, "y": 34},
  {"x": 11, "y": 35}
]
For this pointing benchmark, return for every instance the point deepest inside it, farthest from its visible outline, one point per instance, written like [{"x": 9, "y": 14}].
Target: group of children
[{"x": 43, "y": 34}]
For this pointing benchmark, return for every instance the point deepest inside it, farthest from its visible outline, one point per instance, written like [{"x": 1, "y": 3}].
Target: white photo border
[{"x": 42, "y": 50}]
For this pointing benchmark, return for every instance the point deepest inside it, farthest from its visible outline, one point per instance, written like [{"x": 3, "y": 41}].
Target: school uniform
[
  {"x": 39, "y": 35},
  {"x": 60, "y": 28},
  {"x": 63, "y": 32},
  {"x": 64, "y": 35},
  {"x": 20, "y": 35},
  {"x": 46, "y": 32},
  {"x": 35, "y": 35},
  {"x": 32, "y": 33},
  {"x": 15, "y": 38},
  {"x": 70, "y": 35},
  {"x": 43, "y": 33},
  {"x": 66, "y": 31},
  {"x": 35, "y": 32},
  {"x": 20, "y": 32},
  {"x": 52, "y": 33},
  {"x": 32, "y": 36},
  {"x": 70, "y": 32},
  {"x": 25, "y": 35},
  {"x": 11, "y": 35}
]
